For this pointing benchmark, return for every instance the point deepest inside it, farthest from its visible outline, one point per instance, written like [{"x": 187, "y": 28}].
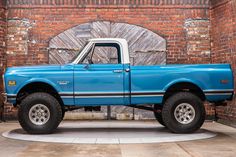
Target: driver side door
[{"x": 99, "y": 78}]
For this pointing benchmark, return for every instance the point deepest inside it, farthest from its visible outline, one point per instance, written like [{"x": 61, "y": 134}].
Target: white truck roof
[{"x": 108, "y": 39}]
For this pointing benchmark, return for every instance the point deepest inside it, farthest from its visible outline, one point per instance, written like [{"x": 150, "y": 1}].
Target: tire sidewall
[
  {"x": 197, "y": 110},
  {"x": 158, "y": 114},
  {"x": 28, "y": 103},
  {"x": 170, "y": 106}
]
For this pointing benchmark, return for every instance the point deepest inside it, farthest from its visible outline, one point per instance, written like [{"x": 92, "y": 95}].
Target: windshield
[{"x": 77, "y": 53}]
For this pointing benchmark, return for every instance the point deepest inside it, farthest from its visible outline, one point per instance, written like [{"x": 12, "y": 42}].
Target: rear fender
[{"x": 184, "y": 80}]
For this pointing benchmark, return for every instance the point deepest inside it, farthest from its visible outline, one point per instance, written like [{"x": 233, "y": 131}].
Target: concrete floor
[
  {"x": 109, "y": 132},
  {"x": 223, "y": 145}
]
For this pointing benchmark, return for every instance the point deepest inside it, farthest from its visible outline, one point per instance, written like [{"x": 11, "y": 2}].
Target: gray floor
[
  {"x": 222, "y": 145},
  {"x": 109, "y": 132}
]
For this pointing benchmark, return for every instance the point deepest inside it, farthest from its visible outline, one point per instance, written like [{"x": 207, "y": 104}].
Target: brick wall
[
  {"x": 198, "y": 40},
  {"x": 18, "y": 41},
  {"x": 50, "y": 18},
  {"x": 2, "y": 38},
  {"x": 32, "y": 23},
  {"x": 132, "y": 3},
  {"x": 223, "y": 35}
]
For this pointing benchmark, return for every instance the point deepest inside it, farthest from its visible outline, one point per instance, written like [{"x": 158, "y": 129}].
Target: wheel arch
[
  {"x": 186, "y": 86},
  {"x": 37, "y": 86}
]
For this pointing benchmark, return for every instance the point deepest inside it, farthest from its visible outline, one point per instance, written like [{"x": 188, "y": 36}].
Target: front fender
[{"x": 34, "y": 80}]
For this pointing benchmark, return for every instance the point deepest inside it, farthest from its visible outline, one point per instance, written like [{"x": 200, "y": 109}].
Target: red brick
[{"x": 223, "y": 34}]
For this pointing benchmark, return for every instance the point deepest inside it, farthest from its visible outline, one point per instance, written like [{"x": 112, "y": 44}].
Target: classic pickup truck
[{"x": 175, "y": 93}]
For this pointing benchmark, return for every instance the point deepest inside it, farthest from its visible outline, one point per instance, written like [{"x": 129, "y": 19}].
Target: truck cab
[{"x": 109, "y": 75}]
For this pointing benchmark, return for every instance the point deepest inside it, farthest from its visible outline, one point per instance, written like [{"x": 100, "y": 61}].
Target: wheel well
[
  {"x": 184, "y": 86},
  {"x": 37, "y": 87}
]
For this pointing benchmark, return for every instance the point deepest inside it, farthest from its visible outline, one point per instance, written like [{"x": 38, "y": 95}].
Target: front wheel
[
  {"x": 158, "y": 114},
  {"x": 39, "y": 113},
  {"x": 63, "y": 111},
  {"x": 183, "y": 112}
]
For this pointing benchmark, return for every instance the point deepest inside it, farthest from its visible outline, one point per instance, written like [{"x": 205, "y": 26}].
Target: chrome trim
[
  {"x": 227, "y": 92},
  {"x": 147, "y": 95},
  {"x": 218, "y": 93},
  {"x": 133, "y": 94},
  {"x": 11, "y": 99},
  {"x": 101, "y": 96},
  {"x": 61, "y": 93},
  {"x": 219, "y": 90},
  {"x": 117, "y": 96},
  {"x": 109, "y": 94},
  {"x": 67, "y": 97},
  {"x": 117, "y": 71},
  {"x": 12, "y": 95},
  {"x": 100, "y": 93},
  {"x": 149, "y": 91}
]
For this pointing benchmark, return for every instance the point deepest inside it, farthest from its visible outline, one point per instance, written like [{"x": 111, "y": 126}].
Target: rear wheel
[
  {"x": 183, "y": 112},
  {"x": 39, "y": 113},
  {"x": 158, "y": 114}
]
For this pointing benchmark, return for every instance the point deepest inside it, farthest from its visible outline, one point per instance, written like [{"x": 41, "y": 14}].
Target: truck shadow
[{"x": 110, "y": 130}]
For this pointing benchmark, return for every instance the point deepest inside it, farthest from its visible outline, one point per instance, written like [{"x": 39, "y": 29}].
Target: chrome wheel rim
[
  {"x": 39, "y": 114},
  {"x": 184, "y": 113}
]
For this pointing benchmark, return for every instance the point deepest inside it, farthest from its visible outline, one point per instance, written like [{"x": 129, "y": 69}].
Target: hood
[{"x": 33, "y": 68}]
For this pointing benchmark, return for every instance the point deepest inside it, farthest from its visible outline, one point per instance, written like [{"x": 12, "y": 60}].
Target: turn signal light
[{"x": 224, "y": 81}]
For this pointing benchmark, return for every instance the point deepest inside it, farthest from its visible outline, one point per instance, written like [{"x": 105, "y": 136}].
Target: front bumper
[
  {"x": 11, "y": 98},
  {"x": 5, "y": 97}
]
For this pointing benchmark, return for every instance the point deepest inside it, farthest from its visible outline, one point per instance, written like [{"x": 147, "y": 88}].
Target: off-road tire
[
  {"x": 40, "y": 98},
  {"x": 63, "y": 114},
  {"x": 169, "y": 108},
  {"x": 158, "y": 114}
]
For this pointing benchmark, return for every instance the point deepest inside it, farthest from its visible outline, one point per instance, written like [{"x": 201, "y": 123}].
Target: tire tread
[
  {"x": 32, "y": 97},
  {"x": 166, "y": 115}
]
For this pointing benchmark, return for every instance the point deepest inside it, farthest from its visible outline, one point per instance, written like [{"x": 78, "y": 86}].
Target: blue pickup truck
[{"x": 175, "y": 93}]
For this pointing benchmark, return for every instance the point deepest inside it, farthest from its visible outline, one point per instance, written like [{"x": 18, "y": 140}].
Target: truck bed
[{"x": 149, "y": 83}]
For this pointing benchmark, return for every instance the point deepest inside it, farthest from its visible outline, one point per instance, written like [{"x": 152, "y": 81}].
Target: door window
[{"x": 108, "y": 53}]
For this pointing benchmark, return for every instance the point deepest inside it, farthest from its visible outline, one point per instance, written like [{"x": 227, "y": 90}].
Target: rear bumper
[
  {"x": 219, "y": 95},
  {"x": 232, "y": 96}
]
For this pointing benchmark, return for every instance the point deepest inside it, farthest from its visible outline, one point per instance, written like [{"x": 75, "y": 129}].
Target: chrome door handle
[
  {"x": 117, "y": 71},
  {"x": 127, "y": 70}
]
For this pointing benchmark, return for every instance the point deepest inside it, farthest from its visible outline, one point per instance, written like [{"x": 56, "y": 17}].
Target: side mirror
[
  {"x": 86, "y": 66},
  {"x": 90, "y": 61}
]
